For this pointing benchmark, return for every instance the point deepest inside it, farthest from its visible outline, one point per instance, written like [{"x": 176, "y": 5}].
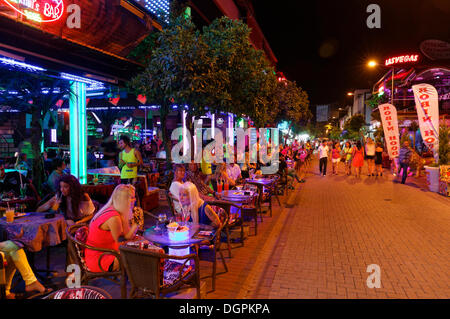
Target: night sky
[{"x": 324, "y": 45}]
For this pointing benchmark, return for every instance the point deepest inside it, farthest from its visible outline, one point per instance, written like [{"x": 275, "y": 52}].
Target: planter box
[{"x": 432, "y": 178}]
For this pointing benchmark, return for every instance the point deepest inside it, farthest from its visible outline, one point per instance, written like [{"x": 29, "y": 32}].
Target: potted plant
[{"x": 433, "y": 170}]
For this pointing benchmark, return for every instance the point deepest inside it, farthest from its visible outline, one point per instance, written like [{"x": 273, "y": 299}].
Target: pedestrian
[
  {"x": 370, "y": 155},
  {"x": 358, "y": 158},
  {"x": 347, "y": 156},
  {"x": 404, "y": 159},
  {"x": 335, "y": 157},
  {"x": 323, "y": 158},
  {"x": 379, "y": 159}
]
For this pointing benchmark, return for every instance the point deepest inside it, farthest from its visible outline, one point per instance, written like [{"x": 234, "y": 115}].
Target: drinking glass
[
  {"x": 161, "y": 220},
  {"x": 185, "y": 214},
  {"x": 9, "y": 215},
  {"x": 219, "y": 186}
]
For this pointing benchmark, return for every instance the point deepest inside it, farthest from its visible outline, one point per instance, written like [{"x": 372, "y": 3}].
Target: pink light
[
  {"x": 402, "y": 59},
  {"x": 42, "y": 7}
]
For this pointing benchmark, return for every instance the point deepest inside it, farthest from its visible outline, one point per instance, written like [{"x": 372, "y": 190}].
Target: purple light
[{"x": 29, "y": 67}]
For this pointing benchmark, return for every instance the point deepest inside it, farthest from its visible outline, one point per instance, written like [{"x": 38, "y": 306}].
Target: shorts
[
  {"x": 370, "y": 157},
  {"x": 335, "y": 160}
]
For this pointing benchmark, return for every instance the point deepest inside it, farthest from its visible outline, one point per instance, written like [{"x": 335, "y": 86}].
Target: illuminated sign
[
  {"x": 402, "y": 59},
  {"x": 38, "y": 10}
]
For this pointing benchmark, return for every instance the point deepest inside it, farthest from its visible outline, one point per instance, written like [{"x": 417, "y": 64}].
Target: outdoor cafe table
[
  {"x": 161, "y": 236},
  {"x": 38, "y": 231},
  {"x": 179, "y": 247},
  {"x": 237, "y": 196}
]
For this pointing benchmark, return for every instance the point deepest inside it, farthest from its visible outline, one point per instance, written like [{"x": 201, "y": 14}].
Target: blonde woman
[
  {"x": 108, "y": 225},
  {"x": 200, "y": 212}
]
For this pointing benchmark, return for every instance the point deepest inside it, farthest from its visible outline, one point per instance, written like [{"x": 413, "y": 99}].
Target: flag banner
[
  {"x": 388, "y": 114},
  {"x": 427, "y": 106}
]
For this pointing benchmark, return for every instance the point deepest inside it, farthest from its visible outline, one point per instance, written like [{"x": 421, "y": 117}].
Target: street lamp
[
  {"x": 372, "y": 64},
  {"x": 350, "y": 94}
]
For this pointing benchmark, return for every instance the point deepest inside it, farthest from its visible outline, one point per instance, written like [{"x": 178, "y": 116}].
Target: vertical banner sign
[
  {"x": 388, "y": 114},
  {"x": 427, "y": 106}
]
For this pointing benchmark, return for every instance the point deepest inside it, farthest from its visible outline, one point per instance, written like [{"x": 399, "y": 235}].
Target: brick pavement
[{"x": 321, "y": 247}]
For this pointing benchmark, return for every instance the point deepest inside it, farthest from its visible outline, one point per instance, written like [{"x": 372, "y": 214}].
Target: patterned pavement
[{"x": 338, "y": 226}]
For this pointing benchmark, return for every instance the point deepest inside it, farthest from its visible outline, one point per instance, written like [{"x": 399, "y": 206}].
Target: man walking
[
  {"x": 323, "y": 158},
  {"x": 403, "y": 159}
]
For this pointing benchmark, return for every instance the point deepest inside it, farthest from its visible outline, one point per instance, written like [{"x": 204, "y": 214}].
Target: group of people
[{"x": 352, "y": 155}]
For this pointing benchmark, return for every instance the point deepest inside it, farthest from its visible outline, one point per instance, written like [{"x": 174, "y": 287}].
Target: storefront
[{"x": 84, "y": 42}]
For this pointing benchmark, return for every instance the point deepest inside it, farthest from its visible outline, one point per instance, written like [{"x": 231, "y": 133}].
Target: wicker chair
[
  {"x": 171, "y": 200},
  {"x": 145, "y": 272},
  {"x": 238, "y": 222},
  {"x": 76, "y": 249},
  {"x": 83, "y": 292},
  {"x": 208, "y": 250}
]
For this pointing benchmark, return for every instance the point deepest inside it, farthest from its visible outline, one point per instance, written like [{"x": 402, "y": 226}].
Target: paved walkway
[{"x": 337, "y": 227}]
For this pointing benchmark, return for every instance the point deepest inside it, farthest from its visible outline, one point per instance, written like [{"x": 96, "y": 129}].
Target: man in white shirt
[
  {"x": 323, "y": 158},
  {"x": 234, "y": 171}
]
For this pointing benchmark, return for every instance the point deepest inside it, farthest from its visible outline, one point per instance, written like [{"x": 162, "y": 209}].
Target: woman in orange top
[{"x": 108, "y": 225}]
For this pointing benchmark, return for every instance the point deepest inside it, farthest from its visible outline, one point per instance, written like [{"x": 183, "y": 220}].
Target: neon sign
[
  {"x": 38, "y": 10},
  {"x": 402, "y": 59}
]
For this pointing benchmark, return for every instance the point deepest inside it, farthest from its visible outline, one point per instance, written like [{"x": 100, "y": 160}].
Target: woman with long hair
[
  {"x": 200, "y": 211},
  {"x": 358, "y": 158},
  {"x": 77, "y": 207},
  {"x": 379, "y": 159},
  {"x": 113, "y": 221},
  {"x": 347, "y": 155}
]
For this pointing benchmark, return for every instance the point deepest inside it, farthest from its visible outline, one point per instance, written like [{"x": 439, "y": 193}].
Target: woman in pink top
[{"x": 110, "y": 223}]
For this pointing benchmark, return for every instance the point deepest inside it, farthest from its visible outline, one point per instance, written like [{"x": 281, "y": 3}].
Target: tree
[
  {"x": 353, "y": 125},
  {"x": 216, "y": 70},
  {"x": 291, "y": 104},
  {"x": 36, "y": 95},
  {"x": 444, "y": 145}
]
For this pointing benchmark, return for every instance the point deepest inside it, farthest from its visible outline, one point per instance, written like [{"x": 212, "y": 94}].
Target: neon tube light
[
  {"x": 22, "y": 65},
  {"x": 78, "y": 131},
  {"x": 38, "y": 10}
]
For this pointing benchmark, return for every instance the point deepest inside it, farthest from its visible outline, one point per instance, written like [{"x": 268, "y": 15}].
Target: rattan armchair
[
  {"x": 237, "y": 222},
  {"x": 145, "y": 273},
  {"x": 76, "y": 249},
  {"x": 208, "y": 250}
]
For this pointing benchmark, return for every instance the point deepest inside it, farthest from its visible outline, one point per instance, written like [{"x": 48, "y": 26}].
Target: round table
[
  {"x": 263, "y": 181},
  {"x": 237, "y": 196},
  {"x": 161, "y": 236},
  {"x": 38, "y": 231}
]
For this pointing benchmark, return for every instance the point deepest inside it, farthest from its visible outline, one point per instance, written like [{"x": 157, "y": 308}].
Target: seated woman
[
  {"x": 75, "y": 206},
  {"x": 108, "y": 226},
  {"x": 16, "y": 259},
  {"x": 200, "y": 211},
  {"x": 222, "y": 176},
  {"x": 179, "y": 172}
]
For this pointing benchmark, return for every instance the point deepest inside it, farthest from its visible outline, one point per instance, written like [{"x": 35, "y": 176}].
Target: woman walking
[
  {"x": 358, "y": 158},
  {"x": 379, "y": 159},
  {"x": 370, "y": 155},
  {"x": 347, "y": 155},
  {"x": 335, "y": 157}
]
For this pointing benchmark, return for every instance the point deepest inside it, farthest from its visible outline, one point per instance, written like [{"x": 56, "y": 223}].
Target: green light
[
  {"x": 187, "y": 13},
  {"x": 78, "y": 131}
]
